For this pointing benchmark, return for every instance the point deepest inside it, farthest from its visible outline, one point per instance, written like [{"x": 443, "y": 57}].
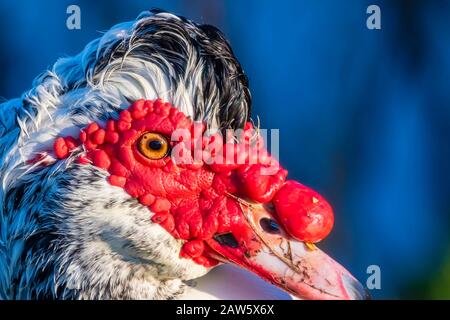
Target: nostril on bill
[
  {"x": 269, "y": 225},
  {"x": 355, "y": 289}
]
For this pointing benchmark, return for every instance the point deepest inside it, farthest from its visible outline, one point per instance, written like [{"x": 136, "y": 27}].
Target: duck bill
[
  {"x": 307, "y": 273},
  {"x": 299, "y": 268}
]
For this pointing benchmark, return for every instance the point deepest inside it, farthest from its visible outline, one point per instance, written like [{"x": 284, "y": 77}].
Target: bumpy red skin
[{"x": 191, "y": 201}]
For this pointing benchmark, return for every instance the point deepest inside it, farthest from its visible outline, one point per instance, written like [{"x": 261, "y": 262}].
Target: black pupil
[
  {"x": 226, "y": 239},
  {"x": 155, "y": 145},
  {"x": 269, "y": 225}
]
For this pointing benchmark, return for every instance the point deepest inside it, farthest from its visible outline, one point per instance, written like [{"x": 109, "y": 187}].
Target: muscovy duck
[{"x": 93, "y": 205}]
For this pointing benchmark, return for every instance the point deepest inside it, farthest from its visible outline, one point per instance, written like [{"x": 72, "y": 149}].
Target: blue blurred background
[{"x": 364, "y": 115}]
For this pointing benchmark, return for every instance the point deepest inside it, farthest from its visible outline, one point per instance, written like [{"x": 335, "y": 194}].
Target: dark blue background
[{"x": 364, "y": 115}]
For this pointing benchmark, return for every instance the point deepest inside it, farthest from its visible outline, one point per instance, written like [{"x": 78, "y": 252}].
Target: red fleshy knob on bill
[{"x": 304, "y": 213}]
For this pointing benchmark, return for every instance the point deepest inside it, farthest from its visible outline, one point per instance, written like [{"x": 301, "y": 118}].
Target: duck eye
[
  {"x": 269, "y": 225},
  {"x": 226, "y": 239},
  {"x": 154, "y": 146}
]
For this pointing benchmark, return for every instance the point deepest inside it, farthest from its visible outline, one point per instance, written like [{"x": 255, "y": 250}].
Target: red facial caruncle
[{"x": 217, "y": 198}]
